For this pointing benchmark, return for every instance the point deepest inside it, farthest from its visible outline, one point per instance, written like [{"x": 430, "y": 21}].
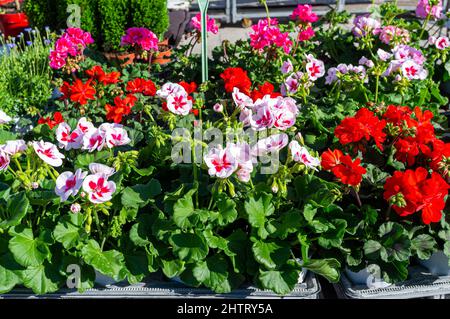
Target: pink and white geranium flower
[
  {"x": 242, "y": 100},
  {"x": 442, "y": 43},
  {"x": 97, "y": 168},
  {"x": 169, "y": 89},
  {"x": 68, "y": 139},
  {"x": 221, "y": 162},
  {"x": 48, "y": 152},
  {"x": 242, "y": 153},
  {"x": 4, "y": 118},
  {"x": 94, "y": 139},
  {"x": 4, "y": 160},
  {"x": 116, "y": 136},
  {"x": 98, "y": 188},
  {"x": 413, "y": 71},
  {"x": 179, "y": 104},
  {"x": 315, "y": 68},
  {"x": 14, "y": 147},
  {"x": 271, "y": 144},
  {"x": 68, "y": 184},
  {"x": 84, "y": 125},
  {"x": 287, "y": 67},
  {"x": 300, "y": 154}
]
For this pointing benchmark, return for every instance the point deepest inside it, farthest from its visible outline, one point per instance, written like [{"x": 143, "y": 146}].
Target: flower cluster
[
  {"x": 69, "y": 49},
  {"x": 266, "y": 112},
  {"x": 96, "y": 185},
  {"x": 433, "y": 8},
  {"x": 10, "y": 148},
  {"x": 121, "y": 108},
  {"x": 236, "y": 78},
  {"x": 145, "y": 87},
  {"x": 98, "y": 75},
  {"x": 211, "y": 25},
  {"x": 412, "y": 191},
  {"x": 363, "y": 126},
  {"x": 79, "y": 92},
  {"x": 266, "y": 34},
  {"x": 140, "y": 38},
  {"x": 346, "y": 170},
  {"x": 364, "y": 25},
  {"x": 404, "y": 62},
  {"x": 305, "y": 17},
  {"x": 87, "y": 137},
  {"x": 177, "y": 98},
  {"x": 410, "y": 136},
  {"x": 393, "y": 35},
  {"x": 441, "y": 43},
  {"x": 346, "y": 73},
  {"x": 314, "y": 69},
  {"x": 52, "y": 122}
]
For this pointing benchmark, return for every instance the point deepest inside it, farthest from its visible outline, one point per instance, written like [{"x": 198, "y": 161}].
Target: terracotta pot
[
  {"x": 123, "y": 58},
  {"x": 11, "y": 24},
  {"x": 164, "y": 54}
]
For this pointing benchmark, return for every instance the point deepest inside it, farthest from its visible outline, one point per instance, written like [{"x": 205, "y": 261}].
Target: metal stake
[{"x": 203, "y": 5}]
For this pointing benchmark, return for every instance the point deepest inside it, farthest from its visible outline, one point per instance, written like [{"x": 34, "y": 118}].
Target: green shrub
[
  {"x": 151, "y": 14},
  {"x": 114, "y": 16},
  {"x": 38, "y": 12}
]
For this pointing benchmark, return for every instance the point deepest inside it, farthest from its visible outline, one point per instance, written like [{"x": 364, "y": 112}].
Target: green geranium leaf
[
  {"x": 289, "y": 223},
  {"x": 139, "y": 195},
  {"x": 372, "y": 249},
  {"x": 141, "y": 231},
  {"x": 9, "y": 273},
  {"x": 110, "y": 263},
  {"x": 67, "y": 233},
  {"x": 42, "y": 278},
  {"x": 27, "y": 250},
  {"x": 309, "y": 212},
  {"x": 257, "y": 209},
  {"x": 184, "y": 214},
  {"x": 333, "y": 236},
  {"x": 328, "y": 268},
  {"x": 213, "y": 273},
  {"x": 281, "y": 282},
  {"x": 83, "y": 160},
  {"x": 396, "y": 271},
  {"x": 424, "y": 245},
  {"x": 172, "y": 268},
  {"x": 270, "y": 254},
  {"x": 16, "y": 208},
  {"x": 227, "y": 211},
  {"x": 189, "y": 247}
]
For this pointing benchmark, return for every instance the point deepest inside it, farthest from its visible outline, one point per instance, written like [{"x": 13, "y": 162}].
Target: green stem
[
  {"x": 424, "y": 26},
  {"x": 195, "y": 171},
  {"x": 376, "y": 88}
]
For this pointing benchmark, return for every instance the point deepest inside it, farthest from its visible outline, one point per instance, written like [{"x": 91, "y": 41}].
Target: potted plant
[{"x": 13, "y": 23}]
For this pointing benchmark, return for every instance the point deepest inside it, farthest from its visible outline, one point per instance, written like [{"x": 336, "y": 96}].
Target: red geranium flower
[
  {"x": 412, "y": 191},
  {"x": 98, "y": 74},
  {"x": 110, "y": 78},
  {"x": 146, "y": 87},
  {"x": 349, "y": 172},
  {"x": 331, "y": 158},
  {"x": 236, "y": 77},
  {"x": 364, "y": 125},
  {"x": 82, "y": 92},
  {"x": 264, "y": 89},
  {"x": 440, "y": 157},
  {"x": 189, "y": 87},
  {"x": 120, "y": 108},
  {"x": 57, "y": 119},
  {"x": 95, "y": 73},
  {"x": 65, "y": 90}
]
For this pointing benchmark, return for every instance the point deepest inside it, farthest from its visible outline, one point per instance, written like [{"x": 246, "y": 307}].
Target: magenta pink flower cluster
[
  {"x": 71, "y": 43},
  {"x": 424, "y": 8},
  {"x": 266, "y": 33},
  {"x": 304, "y": 13},
  {"x": 142, "y": 38},
  {"x": 305, "y": 16},
  {"x": 211, "y": 25}
]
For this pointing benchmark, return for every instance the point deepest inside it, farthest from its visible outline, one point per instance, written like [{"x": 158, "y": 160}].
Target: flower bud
[
  {"x": 218, "y": 107},
  {"x": 34, "y": 185},
  {"x": 75, "y": 208}
]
